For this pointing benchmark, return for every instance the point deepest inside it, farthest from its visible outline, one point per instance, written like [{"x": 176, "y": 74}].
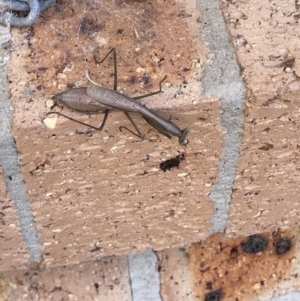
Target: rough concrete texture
[
  {"x": 101, "y": 193},
  {"x": 12, "y": 175},
  {"x": 115, "y": 199},
  {"x": 231, "y": 269},
  {"x": 144, "y": 276},
  {"x": 105, "y": 279},
  {"x": 265, "y": 193},
  {"x": 294, "y": 296},
  {"x": 215, "y": 267},
  {"x": 222, "y": 79},
  {"x": 175, "y": 276},
  {"x": 266, "y": 190},
  {"x": 13, "y": 249},
  {"x": 221, "y": 267}
]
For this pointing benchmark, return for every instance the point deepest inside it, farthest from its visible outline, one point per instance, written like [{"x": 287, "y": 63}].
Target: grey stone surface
[
  {"x": 222, "y": 79},
  {"x": 11, "y": 167},
  {"x": 292, "y": 296},
  {"x": 145, "y": 283}
]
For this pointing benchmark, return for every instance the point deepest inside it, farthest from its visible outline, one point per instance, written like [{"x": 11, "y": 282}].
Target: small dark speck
[
  {"x": 283, "y": 245},
  {"x": 116, "y": 281},
  {"x": 234, "y": 253},
  {"x": 170, "y": 163},
  {"x": 40, "y": 87},
  {"x": 185, "y": 69},
  {"x": 146, "y": 79},
  {"x": 184, "y": 15},
  {"x": 143, "y": 173},
  {"x": 171, "y": 213},
  {"x": 289, "y": 63},
  {"x": 214, "y": 296},
  {"x": 29, "y": 35},
  {"x": 132, "y": 80},
  {"x": 120, "y": 31},
  {"x": 266, "y": 146},
  {"x": 96, "y": 285},
  {"x": 255, "y": 244},
  {"x": 209, "y": 285},
  {"x": 96, "y": 249}
]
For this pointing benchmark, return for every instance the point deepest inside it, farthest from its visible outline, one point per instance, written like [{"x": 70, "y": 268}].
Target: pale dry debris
[{"x": 50, "y": 122}]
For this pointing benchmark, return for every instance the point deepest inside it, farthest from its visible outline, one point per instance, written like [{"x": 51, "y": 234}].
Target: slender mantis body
[{"x": 96, "y": 98}]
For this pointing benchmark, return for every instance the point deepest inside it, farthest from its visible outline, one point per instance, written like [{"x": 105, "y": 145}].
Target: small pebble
[
  {"x": 283, "y": 52},
  {"x": 49, "y": 103},
  {"x": 140, "y": 70},
  {"x": 50, "y": 122}
]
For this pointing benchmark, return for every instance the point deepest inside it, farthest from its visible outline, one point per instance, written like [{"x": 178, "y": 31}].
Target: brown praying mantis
[{"x": 96, "y": 99}]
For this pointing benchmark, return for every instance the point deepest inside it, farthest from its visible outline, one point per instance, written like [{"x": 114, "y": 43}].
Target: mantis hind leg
[
  {"x": 82, "y": 123},
  {"x": 113, "y": 50},
  {"x": 153, "y": 93},
  {"x": 104, "y": 120},
  {"x": 139, "y": 134},
  {"x": 154, "y": 124}
]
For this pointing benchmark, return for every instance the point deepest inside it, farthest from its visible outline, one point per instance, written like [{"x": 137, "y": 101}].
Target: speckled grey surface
[
  {"x": 10, "y": 164},
  {"x": 223, "y": 79}
]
